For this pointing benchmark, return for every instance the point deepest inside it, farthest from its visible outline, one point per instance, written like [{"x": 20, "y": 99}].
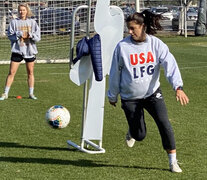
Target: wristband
[{"x": 179, "y": 88}]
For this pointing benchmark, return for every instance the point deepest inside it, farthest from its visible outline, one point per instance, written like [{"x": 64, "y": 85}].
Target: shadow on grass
[
  {"x": 16, "y": 145},
  {"x": 80, "y": 162}
]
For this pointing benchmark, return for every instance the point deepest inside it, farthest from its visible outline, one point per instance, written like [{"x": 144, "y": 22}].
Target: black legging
[{"x": 155, "y": 105}]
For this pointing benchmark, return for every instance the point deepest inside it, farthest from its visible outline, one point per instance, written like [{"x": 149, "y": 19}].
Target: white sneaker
[
  {"x": 129, "y": 140},
  {"x": 174, "y": 167},
  {"x": 32, "y": 96},
  {"x": 3, "y": 97}
]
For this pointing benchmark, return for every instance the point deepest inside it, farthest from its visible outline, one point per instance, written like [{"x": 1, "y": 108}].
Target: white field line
[
  {"x": 194, "y": 63},
  {"x": 59, "y": 73},
  {"x": 42, "y": 61},
  {"x": 193, "y": 67}
]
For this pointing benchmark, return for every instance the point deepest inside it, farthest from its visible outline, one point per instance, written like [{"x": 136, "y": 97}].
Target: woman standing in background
[{"x": 23, "y": 32}]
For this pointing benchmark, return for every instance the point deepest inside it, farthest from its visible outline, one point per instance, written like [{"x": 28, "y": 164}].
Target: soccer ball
[{"x": 57, "y": 116}]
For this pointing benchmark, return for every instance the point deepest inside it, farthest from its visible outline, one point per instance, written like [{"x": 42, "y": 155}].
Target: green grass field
[{"x": 31, "y": 150}]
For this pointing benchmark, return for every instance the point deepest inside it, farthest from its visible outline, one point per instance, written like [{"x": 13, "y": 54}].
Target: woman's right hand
[
  {"x": 25, "y": 35},
  {"x": 113, "y": 103}
]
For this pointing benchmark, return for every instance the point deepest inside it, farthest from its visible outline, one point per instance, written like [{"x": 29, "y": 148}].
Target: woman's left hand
[{"x": 182, "y": 97}]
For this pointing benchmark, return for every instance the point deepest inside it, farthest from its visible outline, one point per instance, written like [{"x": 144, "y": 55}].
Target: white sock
[
  {"x": 31, "y": 90},
  {"x": 172, "y": 157},
  {"x": 6, "y": 90}
]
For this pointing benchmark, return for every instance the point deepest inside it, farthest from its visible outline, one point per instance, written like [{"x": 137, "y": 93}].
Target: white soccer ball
[{"x": 57, "y": 116}]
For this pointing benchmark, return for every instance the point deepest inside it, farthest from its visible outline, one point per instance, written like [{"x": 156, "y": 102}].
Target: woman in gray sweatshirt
[
  {"x": 135, "y": 73},
  {"x": 23, "y": 32}
]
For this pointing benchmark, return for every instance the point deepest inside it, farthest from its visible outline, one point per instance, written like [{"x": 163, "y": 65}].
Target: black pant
[
  {"x": 18, "y": 58},
  {"x": 155, "y": 105}
]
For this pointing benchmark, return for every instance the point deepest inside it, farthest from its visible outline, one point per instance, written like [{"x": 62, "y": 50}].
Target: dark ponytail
[{"x": 149, "y": 19}]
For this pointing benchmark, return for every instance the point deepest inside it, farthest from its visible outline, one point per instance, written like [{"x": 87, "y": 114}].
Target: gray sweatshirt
[
  {"x": 135, "y": 69},
  {"x": 24, "y": 46}
]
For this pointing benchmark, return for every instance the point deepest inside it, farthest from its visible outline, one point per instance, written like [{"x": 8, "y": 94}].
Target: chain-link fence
[{"x": 54, "y": 19}]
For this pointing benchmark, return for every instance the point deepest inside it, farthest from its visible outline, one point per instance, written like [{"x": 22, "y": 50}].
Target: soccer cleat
[
  {"x": 129, "y": 140},
  {"x": 174, "y": 167},
  {"x": 3, "y": 97},
  {"x": 32, "y": 96}
]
